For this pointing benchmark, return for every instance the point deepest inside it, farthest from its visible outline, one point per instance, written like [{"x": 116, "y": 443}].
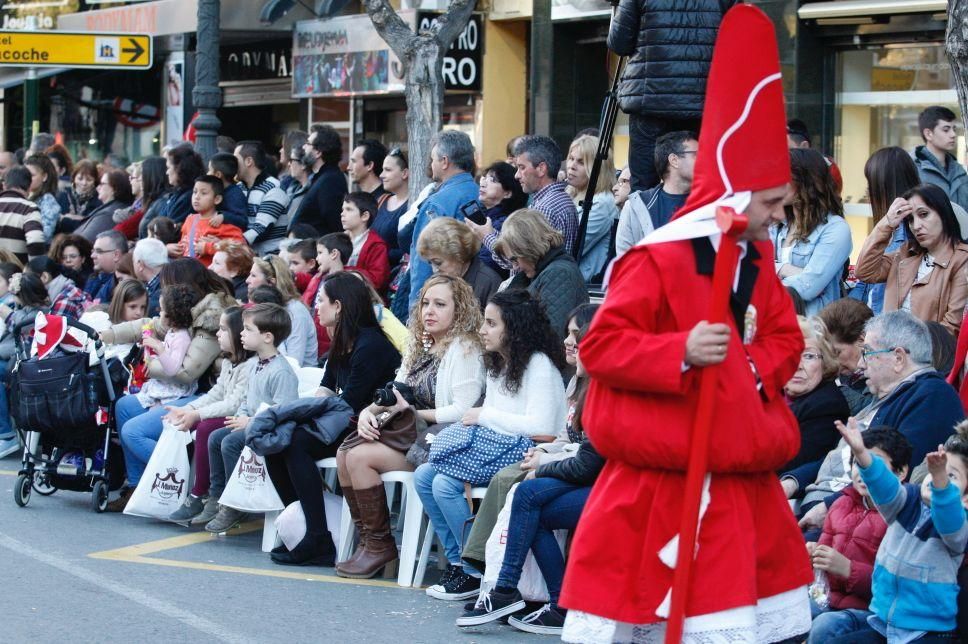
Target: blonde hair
[
  {"x": 450, "y": 238},
  {"x": 587, "y": 149},
  {"x": 528, "y": 235},
  {"x": 813, "y": 328},
  {"x": 464, "y": 327},
  {"x": 276, "y": 270}
]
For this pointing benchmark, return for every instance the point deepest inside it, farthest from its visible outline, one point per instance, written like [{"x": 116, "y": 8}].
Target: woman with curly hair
[
  {"x": 73, "y": 252},
  {"x": 523, "y": 359},
  {"x": 442, "y": 367},
  {"x": 812, "y": 246}
]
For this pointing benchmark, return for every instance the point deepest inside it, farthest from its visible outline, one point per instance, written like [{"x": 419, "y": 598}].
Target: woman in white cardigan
[{"x": 444, "y": 369}]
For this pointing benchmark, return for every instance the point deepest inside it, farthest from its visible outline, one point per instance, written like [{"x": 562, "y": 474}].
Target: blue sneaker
[{"x": 9, "y": 444}]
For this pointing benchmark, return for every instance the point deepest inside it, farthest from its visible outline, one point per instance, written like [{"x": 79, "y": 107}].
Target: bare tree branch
[
  {"x": 452, "y": 23},
  {"x": 956, "y": 46},
  {"x": 391, "y": 27}
]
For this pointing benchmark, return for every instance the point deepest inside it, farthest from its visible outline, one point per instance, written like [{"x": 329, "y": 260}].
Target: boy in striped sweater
[{"x": 915, "y": 589}]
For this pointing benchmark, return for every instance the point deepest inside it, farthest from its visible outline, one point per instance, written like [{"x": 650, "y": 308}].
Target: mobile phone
[{"x": 473, "y": 211}]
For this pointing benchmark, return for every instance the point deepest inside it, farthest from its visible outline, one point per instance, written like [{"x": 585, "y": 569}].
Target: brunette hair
[
  {"x": 581, "y": 390},
  {"x": 62, "y": 242},
  {"x": 178, "y": 300},
  {"x": 270, "y": 318},
  {"x": 86, "y": 167},
  {"x": 59, "y": 153},
  {"x": 356, "y": 311},
  {"x": 233, "y": 320},
  {"x": 191, "y": 272},
  {"x": 32, "y": 291},
  {"x": 8, "y": 270},
  {"x": 121, "y": 184},
  {"x": 814, "y": 194},
  {"x": 937, "y": 200},
  {"x": 890, "y": 172},
  {"x": 154, "y": 180},
  {"x": 46, "y": 166},
  {"x": 845, "y": 319},
  {"x": 188, "y": 165},
  {"x": 364, "y": 202},
  {"x": 957, "y": 443},
  {"x": 526, "y": 331},
  {"x": 126, "y": 264},
  {"x": 340, "y": 242},
  {"x": 504, "y": 173},
  {"x": 126, "y": 291},
  {"x": 164, "y": 230},
  {"x": 305, "y": 248}
]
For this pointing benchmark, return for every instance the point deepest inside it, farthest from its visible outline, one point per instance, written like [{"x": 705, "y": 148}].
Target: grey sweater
[{"x": 275, "y": 384}]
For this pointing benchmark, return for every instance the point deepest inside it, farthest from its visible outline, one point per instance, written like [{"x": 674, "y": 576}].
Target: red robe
[{"x": 639, "y": 414}]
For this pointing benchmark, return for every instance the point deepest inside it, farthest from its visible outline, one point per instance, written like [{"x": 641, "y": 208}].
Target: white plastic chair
[
  {"x": 309, "y": 378},
  {"x": 293, "y": 363},
  {"x": 411, "y": 516},
  {"x": 270, "y": 538},
  {"x": 428, "y": 540}
]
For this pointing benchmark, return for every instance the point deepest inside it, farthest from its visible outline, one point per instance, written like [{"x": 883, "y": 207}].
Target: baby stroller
[{"x": 62, "y": 399}]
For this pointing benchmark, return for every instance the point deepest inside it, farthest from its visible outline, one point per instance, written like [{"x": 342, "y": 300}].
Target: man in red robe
[{"x": 645, "y": 353}]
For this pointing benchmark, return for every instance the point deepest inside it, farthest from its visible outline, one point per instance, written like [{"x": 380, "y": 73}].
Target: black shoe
[
  {"x": 313, "y": 550},
  {"x": 547, "y": 620},
  {"x": 278, "y": 550},
  {"x": 492, "y": 607},
  {"x": 459, "y": 585}
]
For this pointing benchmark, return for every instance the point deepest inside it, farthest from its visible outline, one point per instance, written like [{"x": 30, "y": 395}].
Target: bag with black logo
[
  {"x": 54, "y": 394},
  {"x": 249, "y": 488},
  {"x": 166, "y": 480}
]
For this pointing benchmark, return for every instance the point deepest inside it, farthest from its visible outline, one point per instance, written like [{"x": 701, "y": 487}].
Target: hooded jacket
[
  {"x": 671, "y": 45},
  {"x": 270, "y": 431},
  {"x": 952, "y": 178},
  {"x": 855, "y": 531},
  {"x": 201, "y": 352}
]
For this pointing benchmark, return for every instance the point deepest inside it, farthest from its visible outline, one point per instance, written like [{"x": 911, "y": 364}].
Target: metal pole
[
  {"x": 206, "y": 95},
  {"x": 31, "y": 106}
]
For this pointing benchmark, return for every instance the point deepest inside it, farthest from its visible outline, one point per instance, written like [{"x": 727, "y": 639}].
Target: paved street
[{"x": 71, "y": 574}]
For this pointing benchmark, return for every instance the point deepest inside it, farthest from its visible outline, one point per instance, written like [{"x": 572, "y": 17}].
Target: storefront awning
[
  {"x": 866, "y": 8},
  {"x": 13, "y": 76}
]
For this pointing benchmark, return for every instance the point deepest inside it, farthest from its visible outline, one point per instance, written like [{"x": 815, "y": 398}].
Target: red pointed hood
[{"x": 742, "y": 144}]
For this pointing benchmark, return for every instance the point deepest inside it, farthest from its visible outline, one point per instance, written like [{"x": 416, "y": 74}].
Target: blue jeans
[
  {"x": 540, "y": 506},
  {"x": 224, "y": 449},
  {"x": 139, "y": 430},
  {"x": 851, "y": 622},
  {"x": 444, "y": 501}
]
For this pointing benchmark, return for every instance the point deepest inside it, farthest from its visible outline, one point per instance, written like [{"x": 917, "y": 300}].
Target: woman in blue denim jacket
[{"x": 812, "y": 246}]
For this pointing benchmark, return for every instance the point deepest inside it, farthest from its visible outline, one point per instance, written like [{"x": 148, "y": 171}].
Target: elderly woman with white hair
[{"x": 814, "y": 397}]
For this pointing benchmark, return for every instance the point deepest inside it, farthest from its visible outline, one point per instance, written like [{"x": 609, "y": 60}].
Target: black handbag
[{"x": 54, "y": 394}]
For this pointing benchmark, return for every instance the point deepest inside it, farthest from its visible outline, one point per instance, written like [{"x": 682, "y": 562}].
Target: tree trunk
[
  {"x": 422, "y": 58},
  {"x": 956, "y": 46}
]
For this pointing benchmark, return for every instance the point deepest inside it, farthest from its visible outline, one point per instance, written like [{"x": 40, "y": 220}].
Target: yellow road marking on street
[
  {"x": 9, "y": 472},
  {"x": 138, "y": 554}
]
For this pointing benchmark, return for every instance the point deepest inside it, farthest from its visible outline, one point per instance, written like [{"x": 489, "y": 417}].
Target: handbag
[
  {"x": 398, "y": 430},
  {"x": 419, "y": 452},
  {"x": 474, "y": 453}
]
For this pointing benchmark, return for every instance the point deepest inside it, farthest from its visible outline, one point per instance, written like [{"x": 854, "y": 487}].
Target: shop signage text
[
  {"x": 60, "y": 49},
  {"x": 261, "y": 61},
  {"x": 462, "y": 64}
]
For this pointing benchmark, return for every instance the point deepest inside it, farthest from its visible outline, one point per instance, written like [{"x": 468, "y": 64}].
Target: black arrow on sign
[{"x": 135, "y": 50}]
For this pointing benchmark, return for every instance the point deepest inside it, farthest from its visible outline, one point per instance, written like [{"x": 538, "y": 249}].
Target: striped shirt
[
  {"x": 21, "y": 229},
  {"x": 268, "y": 217},
  {"x": 558, "y": 208}
]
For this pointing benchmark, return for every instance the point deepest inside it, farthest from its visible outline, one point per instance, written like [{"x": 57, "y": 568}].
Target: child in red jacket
[
  {"x": 203, "y": 230},
  {"x": 370, "y": 255},
  {"x": 853, "y": 531}
]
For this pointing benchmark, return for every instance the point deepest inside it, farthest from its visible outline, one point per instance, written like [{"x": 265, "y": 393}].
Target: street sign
[{"x": 75, "y": 49}]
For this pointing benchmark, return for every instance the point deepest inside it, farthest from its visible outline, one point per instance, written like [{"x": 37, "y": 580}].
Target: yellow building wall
[{"x": 504, "y": 105}]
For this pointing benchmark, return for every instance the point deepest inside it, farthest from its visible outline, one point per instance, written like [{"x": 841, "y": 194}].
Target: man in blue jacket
[
  {"x": 451, "y": 164},
  {"x": 935, "y": 161}
]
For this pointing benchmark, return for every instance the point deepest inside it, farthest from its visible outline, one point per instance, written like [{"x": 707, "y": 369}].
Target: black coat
[
  {"x": 321, "y": 206},
  {"x": 815, "y": 413},
  {"x": 270, "y": 431},
  {"x": 670, "y": 44},
  {"x": 581, "y": 469}
]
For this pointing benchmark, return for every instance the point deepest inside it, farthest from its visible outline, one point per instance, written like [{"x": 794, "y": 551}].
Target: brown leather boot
[
  {"x": 380, "y": 548},
  {"x": 350, "y": 495}
]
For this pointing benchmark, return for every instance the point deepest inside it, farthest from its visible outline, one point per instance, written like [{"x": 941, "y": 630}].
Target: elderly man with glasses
[{"x": 909, "y": 395}]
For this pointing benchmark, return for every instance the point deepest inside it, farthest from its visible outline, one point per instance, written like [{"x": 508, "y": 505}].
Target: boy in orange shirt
[{"x": 199, "y": 234}]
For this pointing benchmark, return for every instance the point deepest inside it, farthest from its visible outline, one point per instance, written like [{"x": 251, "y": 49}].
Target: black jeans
[
  {"x": 294, "y": 473},
  {"x": 643, "y": 132}
]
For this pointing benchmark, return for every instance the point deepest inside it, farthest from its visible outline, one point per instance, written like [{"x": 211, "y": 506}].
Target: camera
[
  {"x": 473, "y": 211},
  {"x": 384, "y": 396}
]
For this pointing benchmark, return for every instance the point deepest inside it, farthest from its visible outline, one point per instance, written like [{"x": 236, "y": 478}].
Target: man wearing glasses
[
  {"x": 109, "y": 246},
  {"x": 909, "y": 395}
]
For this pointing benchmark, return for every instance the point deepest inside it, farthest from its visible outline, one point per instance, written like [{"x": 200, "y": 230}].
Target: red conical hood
[{"x": 743, "y": 144}]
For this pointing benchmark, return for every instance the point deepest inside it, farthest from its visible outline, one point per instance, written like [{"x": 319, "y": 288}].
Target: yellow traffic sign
[{"x": 75, "y": 49}]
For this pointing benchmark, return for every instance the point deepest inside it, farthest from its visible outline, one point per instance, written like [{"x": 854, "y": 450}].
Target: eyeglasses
[
  {"x": 488, "y": 178},
  {"x": 69, "y": 258},
  {"x": 867, "y": 351},
  {"x": 809, "y": 356},
  {"x": 396, "y": 152},
  {"x": 101, "y": 251}
]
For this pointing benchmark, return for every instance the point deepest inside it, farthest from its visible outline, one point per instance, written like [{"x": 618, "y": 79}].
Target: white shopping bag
[
  {"x": 291, "y": 522},
  {"x": 165, "y": 483},
  {"x": 249, "y": 488},
  {"x": 532, "y": 584}
]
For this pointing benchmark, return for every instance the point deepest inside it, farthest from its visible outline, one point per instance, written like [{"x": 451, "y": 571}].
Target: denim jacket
[
  {"x": 821, "y": 256},
  {"x": 445, "y": 201},
  {"x": 873, "y": 294}
]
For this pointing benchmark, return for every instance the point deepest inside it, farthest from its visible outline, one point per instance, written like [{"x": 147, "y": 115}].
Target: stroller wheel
[
  {"x": 99, "y": 496},
  {"x": 21, "y": 491},
  {"x": 42, "y": 484}
]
